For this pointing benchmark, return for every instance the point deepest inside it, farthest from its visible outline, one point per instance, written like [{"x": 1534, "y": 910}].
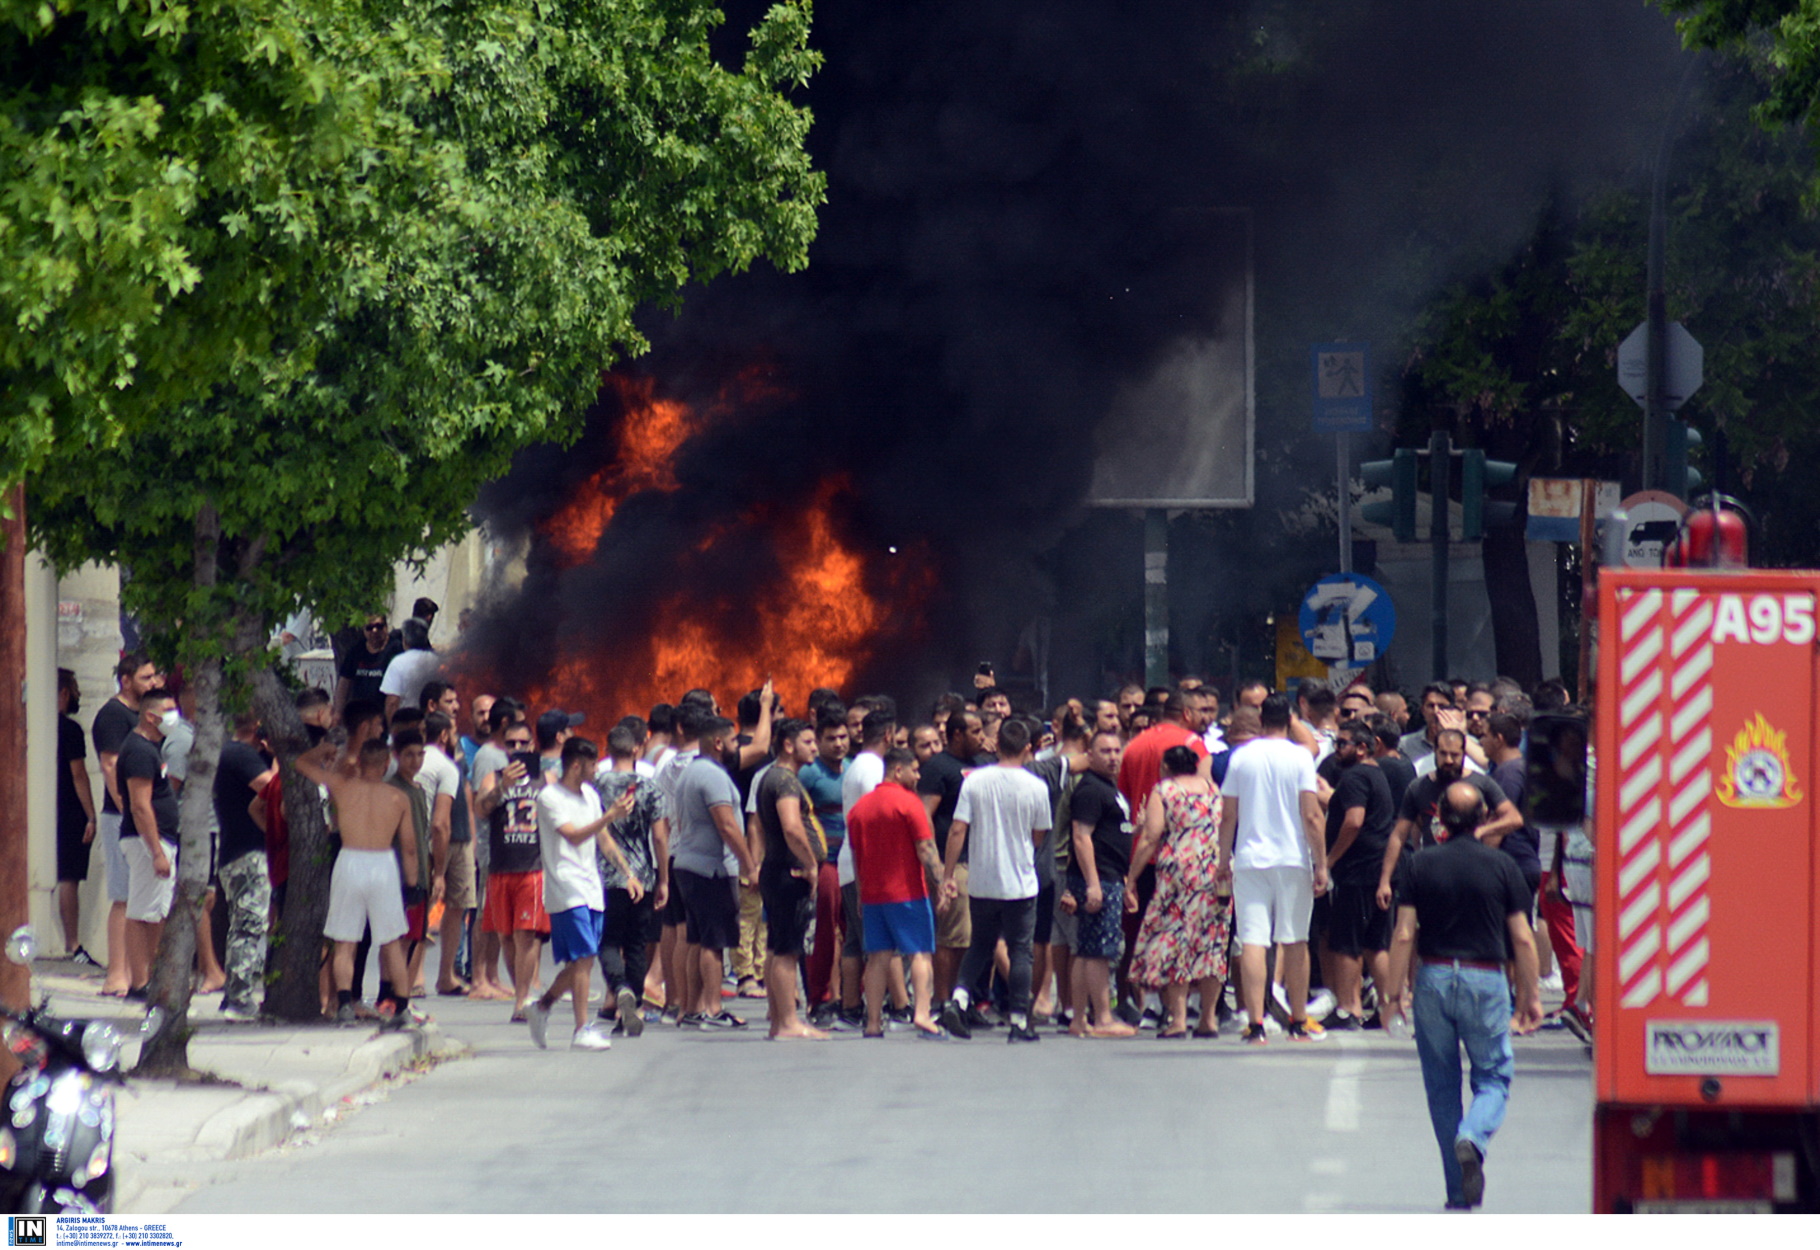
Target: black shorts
[
  {"x": 672, "y": 914},
  {"x": 789, "y": 910},
  {"x": 710, "y": 908},
  {"x": 72, "y": 851},
  {"x": 1045, "y": 914},
  {"x": 1355, "y": 922},
  {"x": 628, "y": 925}
]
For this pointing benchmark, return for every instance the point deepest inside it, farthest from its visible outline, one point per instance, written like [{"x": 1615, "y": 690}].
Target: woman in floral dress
[{"x": 1187, "y": 929}]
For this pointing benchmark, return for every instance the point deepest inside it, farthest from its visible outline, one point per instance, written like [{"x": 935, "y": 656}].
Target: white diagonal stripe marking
[
  {"x": 1693, "y": 627},
  {"x": 1691, "y": 670},
  {"x": 1644, "y": 991},
  {"x": 1638, "y": 953},
  {"x": 1641, "y": 607},
  {"x": 1644, "y": 737},
  {"x": 1638, "y": 866},
  {"x": 1691, "y": 796},
  {"x": 1693, "y": 710},
  {"x": 1641, "y": 655},
  {"x": 1640, "y": 825},
  {"x": 1689, "y": 840},
  {"x": 1640, "y": 910},
  {"x": 1694, "y": 961},
  {"x": 1692, "y": 878},
  {"x": 1640, "y": 783},
  {"x": 1686, "y": 925},
  {"x": 1641, "y": 696}
]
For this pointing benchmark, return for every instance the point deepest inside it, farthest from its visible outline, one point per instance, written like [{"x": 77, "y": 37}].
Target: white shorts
[
  {"x": 1272, "y": 904},
  {"x": 148, "y": 895},
  {"x": 107, "y": 830},
  {"x": 365, "y": 889}
]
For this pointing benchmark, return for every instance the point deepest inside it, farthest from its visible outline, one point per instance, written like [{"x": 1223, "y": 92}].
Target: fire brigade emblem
[{"x": 1757, "y": 771}]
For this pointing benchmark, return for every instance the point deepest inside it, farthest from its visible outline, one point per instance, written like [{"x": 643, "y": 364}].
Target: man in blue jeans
[{"x": 1464, "y": 908}]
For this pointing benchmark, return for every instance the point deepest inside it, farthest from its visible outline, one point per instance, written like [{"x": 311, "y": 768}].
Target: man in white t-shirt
[
  {"x": 1273, "y": 847},
  {"x": 1001, "y": 816},
  {"x": 405, "y": 676},
  {"x": 570, "y": 824}
]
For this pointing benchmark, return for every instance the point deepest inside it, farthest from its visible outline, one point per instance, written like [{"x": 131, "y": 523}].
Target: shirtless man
[{"x": 364, "y": 888}]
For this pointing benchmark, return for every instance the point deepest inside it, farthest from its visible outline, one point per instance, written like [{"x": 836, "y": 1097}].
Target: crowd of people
[{"x": 1150, "y": 861}]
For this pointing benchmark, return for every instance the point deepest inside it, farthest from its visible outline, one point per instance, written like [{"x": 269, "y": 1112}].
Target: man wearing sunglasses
[{"x": 363, "y": 667}]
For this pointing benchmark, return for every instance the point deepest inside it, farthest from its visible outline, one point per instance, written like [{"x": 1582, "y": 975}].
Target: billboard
[{"x": 1179, "y": 432}]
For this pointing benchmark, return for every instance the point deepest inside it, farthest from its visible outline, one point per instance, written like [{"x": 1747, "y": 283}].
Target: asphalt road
[{"x": 731, "y": 1123}]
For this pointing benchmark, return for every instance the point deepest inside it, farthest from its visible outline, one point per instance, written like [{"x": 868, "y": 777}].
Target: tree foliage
[{"x": 413, "y": 265}]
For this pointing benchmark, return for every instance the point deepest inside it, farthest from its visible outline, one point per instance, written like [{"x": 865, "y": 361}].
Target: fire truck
[{"x": 1706, "y": 1050}]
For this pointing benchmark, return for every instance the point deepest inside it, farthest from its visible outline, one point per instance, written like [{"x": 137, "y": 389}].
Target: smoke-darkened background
[{"x": 1015, "y": 200}]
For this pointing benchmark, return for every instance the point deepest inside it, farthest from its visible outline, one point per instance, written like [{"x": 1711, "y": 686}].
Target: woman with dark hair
[{"x": 1188, "y": 926}]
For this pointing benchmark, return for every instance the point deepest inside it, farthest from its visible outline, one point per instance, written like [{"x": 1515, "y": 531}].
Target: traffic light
[
  {"x": 1477, "y": 473},
  {"x": 1398, "y": 473},
  {"x": 1682, "y": 478}
]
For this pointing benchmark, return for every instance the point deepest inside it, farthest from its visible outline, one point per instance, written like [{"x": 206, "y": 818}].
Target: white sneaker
[
  {"x": 538, "y": 1017},
  {"x": 589, "y": 1037},
  {"x": 1320, "y": 1003},
  {"x": 1552, "y": 982}
]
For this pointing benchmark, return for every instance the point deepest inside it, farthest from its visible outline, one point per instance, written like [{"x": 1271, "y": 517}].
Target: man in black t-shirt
[
  {"x": 241, "y": 774},
  {"x": 148, "y": 836},
  {"x": 1100, "y": 825},
  {"x": 113, "y": 724},
  {"x": 1399, "y": 772},
  {"x": 1503, "y": 743},
  {"x": 1419, "y": 817},
  {"x": 793, "y": 852},
  {"x": 363, "y": 667},
  {"x": 1463, "y": 907},
  {"x": 1359, "y": 820},
  {"x": 940, "y": 788}
]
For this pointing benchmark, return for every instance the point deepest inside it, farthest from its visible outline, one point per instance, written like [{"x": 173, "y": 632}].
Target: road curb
[{"x": 264, "y": 1118}]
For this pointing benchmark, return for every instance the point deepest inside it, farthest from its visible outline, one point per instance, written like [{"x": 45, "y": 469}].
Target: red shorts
[
  {"x": 414, "y": 922},
  {"x": 515, "y": 904}
]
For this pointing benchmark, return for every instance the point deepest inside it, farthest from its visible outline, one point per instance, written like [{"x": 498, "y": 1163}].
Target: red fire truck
[{"x": 1707, "y": 853}]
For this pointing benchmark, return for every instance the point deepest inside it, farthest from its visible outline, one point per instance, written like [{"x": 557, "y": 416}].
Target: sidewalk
[{"x": 276, "y": 1080}]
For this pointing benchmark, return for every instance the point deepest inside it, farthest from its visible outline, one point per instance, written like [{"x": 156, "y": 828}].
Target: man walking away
[
  {"x": 1462, "y": 907},
  {"x": 1273, "y": 847}
]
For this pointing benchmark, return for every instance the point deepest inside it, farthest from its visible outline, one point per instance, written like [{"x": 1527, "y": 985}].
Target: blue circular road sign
[{"x": 1347, "y": 619}]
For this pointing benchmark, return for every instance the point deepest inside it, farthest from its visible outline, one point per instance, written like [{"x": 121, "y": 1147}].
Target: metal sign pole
[{"x": 1343, "y": 455}]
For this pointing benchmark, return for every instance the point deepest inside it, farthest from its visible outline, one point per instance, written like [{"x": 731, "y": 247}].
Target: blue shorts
[
  {"x": 907, "y": 928},
  {"x": 575, "y": 934}
]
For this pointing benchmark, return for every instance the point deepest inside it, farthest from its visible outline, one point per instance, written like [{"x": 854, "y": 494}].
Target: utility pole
[
  {"x": 1657, "y": 471},
  {"x": 1343, "y": 454},
  {"x": 1156, "y": 597},
  {"x": 1440, "y": 469},
  {"x": 15, "y": 869}
]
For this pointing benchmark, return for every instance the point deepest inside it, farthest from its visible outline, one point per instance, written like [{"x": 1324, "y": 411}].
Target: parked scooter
[{"x": 57, "y": 1124}]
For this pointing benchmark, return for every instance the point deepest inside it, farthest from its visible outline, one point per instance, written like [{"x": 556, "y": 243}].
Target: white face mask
[{"x": 171, "y": 718}]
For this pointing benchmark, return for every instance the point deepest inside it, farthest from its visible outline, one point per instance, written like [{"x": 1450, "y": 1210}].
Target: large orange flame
[
  {"x": 816, "y": 626},
  {"x": 649, "y": 435}
]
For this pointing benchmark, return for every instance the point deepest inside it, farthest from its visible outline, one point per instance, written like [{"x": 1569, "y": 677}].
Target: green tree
[{"x": 555, "y": 170}]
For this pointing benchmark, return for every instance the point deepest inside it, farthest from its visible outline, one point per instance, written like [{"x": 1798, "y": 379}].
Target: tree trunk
[
  {"x": 166, "y": 1051},
  {"x": 15, "y": 878},
  {"x": 297, "y": 993},
  {"x": 1516, "y": 631}
]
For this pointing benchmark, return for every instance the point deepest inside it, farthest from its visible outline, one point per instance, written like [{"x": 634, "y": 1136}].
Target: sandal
[{"x": 1173, "y": 1035}]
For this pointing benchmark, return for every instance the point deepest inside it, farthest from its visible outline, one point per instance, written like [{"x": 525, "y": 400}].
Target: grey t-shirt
[{"x": 695, "y": 842}]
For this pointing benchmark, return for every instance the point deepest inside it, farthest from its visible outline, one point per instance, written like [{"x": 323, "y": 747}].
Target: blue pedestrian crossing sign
[
  {"x": 1342, "y": 387},
  {"x": 1347, "y": 620}
]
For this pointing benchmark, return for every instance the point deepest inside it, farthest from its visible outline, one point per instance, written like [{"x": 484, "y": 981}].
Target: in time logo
[{"x": 28, "y": 1230}]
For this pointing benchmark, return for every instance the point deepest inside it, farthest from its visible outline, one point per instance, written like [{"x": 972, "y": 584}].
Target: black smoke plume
[{"x": 1012, "y": 206}]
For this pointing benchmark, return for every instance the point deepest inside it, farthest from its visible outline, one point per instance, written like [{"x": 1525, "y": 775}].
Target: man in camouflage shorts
[{"x": 241, "y": 774}]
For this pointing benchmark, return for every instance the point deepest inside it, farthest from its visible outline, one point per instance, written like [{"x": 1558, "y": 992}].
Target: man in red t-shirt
[{"x": 897, "y": 868}]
